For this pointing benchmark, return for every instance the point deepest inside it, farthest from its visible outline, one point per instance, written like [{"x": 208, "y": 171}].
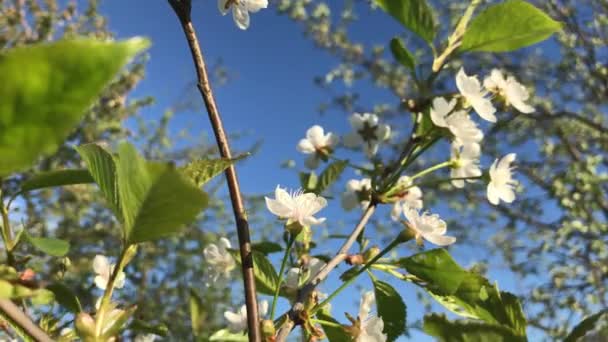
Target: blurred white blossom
[
  {"x": 513, "y": 92},
  {"x": 145, "y": 338},
  {"x": 241, "y": 9},
  {"x": 466, "y": 162},
  {"x": 428, "y": 227},
  {"x": 502, "y": 184},
  {"x": 459, "y": 122},
  {"x": 296, "y": 206},
  {"x": 371, "y": 326},
  {"x": 318, "y": 144},
  {"x": 409, "y": 198},
  {"x": 475, "y": 95},
  {"x": 237, "y": 321},
  {"x": 357, "y": 193},
  {"x": 368, "y": 132},
  {"x": 219, "y": 259},
  {"x": 103, "y": 270}
]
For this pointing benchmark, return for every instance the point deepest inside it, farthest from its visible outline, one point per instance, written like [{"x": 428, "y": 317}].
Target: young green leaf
[
  {"x": 197, "y": 313},
  {"x": 102, "y": 167},
  {"x": 46, "y": 89},
  {"x": 508, "y": 26},
  {"x": 266, "y": 277},
  {"x": 225, "y": 335},
  {"x": 266, "y": 247},
  {"x": 50, "y": 246},
  {"x": 585, "y": 326},
  {"x": 402, "y": 55},
  {"x": 391, "y": 309},
  {"x": 308, "y": 181},
  {"x": 332, "y": 332},
  {"x": 468, "y": 331},
  {"x": 156, "y": 199},
  {"x": 65, "y": 297},
  {"x": 331, "y": 174},
  {"x": 415, "y": 15},
  {"x": 56, "y": 178},
  {"x": 437, "y": 269},
  {"x": 202, "y": 171}
]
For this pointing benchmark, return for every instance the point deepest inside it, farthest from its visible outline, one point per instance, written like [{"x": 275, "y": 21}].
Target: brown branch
[
  {"x": 309, "y": 287},
  {"x": 18, "y": 317},
  {"x": 182, "y": 10}
]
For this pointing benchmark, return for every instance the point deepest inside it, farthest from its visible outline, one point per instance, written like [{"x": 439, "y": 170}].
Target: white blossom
[
  {"x": 514, "y": 93},
  {"x": 410, "y": 198},
  {"x": 296, "y": 206},
  {"x": 466, "y": 162},
  {"x": 502, "y": 184},
  {"x": 429, "y": 227},
  {"x": 357, "y": 193},
  {"x": 371, "y": 326},
  {"x": 295, "y": 275},
  {"x": 219, "y": 259},
  {"x": 475, "y": 95},
  {"x": 241, "y": 9},
  {"x": 367, "y": 132},
  {"x": 459, "y": 122},
  {"x": 317, "y": 143},
  {"x": 237, "y": 321},
  {"x": 103, "y": 270},
  {"x": 145, "y": 338}
]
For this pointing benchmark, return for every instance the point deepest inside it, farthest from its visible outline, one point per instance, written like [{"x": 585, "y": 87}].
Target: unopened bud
[
  {"x": 85, "y": 325},
  {"x": 355, "y": 259},
  {"x": 371, "y": 253},
  {"x": 268, "y": 329}
]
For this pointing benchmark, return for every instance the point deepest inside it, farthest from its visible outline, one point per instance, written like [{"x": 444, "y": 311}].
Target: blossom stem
[
  {"x": 182, "y": 9},
  {"x": 344, "y": 285},
  {"x": 328, "y": 323},
  {"x": 107, "y": 294},
  {"x": 432, "y": 169},
  {"x": 275, "y": 299}
]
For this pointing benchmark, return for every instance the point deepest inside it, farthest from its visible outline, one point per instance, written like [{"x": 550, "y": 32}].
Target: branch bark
[
  {"x": 182, "y": 10},
  {"x": 18, "y": 317}
]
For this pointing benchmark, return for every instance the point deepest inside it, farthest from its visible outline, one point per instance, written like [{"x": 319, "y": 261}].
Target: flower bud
[
  {"x": 85, "y": 326},
  {"x": 268, "y": 329},
  {"x": 370, "y": 254}
]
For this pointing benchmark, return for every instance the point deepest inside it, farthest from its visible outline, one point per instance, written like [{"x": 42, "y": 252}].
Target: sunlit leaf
[
  {"x": 50, "y": 246},
  {"x": 391, "y": 309},
  {"x": 468, "y": 331},
  {"x": 415, "y": 15},
  {"x": 402, "y": 55},
  {"x": 56, "y": 178}
]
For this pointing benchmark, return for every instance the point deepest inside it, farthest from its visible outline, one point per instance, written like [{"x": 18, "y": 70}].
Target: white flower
[
  {"x": 475, "y": 95},
  {"x": 295, "y": 275},
  {"x": 357, "y": 193},
  {"x": 428, "y": 227},
  {"x": 317, "y": 144},
  {"x": 219, "y": 259},
  {"x": 145, "y": 338},
  {"x": 514, "y": 93},
  {"x": 466, "y": 158},
  {"x": 241, "y": 9},
  {"x": 459, "y": 123},
  {"x": 410, "y": 198},
  {"x": 367, "y": 132},
  {"x": 371, "y": 326},
  {"x": 501, "y": 186},
  {"x": 296, "y": 207},
  {"x": 237, "y": 321},
  {"x": 103, "y": 270}
]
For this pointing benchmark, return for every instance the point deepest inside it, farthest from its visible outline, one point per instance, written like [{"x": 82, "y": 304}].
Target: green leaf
[
  {"x": 156, "y": 199},
  {"x": 56, "y": 178},
  {"x": 331, "y": 174},
  {"x": 585, "y": 326},
  {"x": 266, "y": 277},
  {"x": 508, "y": 26},
  {"x": 415, "y": 15},
  {"x": 46, "y": 90},
  {"x": 463, "y": 292},
  {"x": 308, "y": 181},
  {"x": 333, "y": 333},
  {"x": 468, "y": 331},
  {"x": 202, "y": 171},
  {"x": 197, "y": 313},
  {"x": 65, "y": 297},
  {"x": 102, "y": 168},
  {"x": 50, "y": 246},
  {"x": 225, "y": 335},
  {"x": 437, "y": 269},
  {"x": 402, "y": 55},
  {"x": 391, "y": 309},
  {"x": 142, "y": 327},
  {"x": 266, "y": 247},
  {"x": 349, "y": 273}
]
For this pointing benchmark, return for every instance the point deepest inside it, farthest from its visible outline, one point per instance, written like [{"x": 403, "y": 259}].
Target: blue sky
[{"x": 272, "y": 96}]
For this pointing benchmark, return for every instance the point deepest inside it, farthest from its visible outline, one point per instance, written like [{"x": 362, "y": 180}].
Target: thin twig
[
  {"x": 18, "y": 317},
  {"x": 182, "y": 10},
  {"x": 310, "y": 285}
]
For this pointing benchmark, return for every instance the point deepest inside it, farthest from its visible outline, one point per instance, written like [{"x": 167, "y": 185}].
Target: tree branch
[
  {"x": 19, "y": 318},
  {"x": 182, "y": 10}
]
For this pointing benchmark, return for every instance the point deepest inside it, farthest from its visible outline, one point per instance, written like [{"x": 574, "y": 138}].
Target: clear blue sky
[{"x": 273, "y": 95}]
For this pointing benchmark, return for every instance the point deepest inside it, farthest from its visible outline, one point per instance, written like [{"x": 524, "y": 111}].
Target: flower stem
[
  {"x": 328, "y": 323},
  {"x": 275, "y": 299},
  {"x": 432, "y": 169},
  {"x": 107, "y": 295},
  {"x": 387, "y": 249}
]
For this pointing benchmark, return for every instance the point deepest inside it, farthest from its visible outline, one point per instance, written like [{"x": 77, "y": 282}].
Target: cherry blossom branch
[
  {"x": 20, "y": 319},
  {"x": 182, "y": 10},
  {"x": 293, "y": 315}
]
